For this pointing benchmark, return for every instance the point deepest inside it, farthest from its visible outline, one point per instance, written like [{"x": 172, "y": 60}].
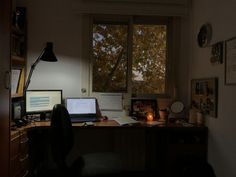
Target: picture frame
[
  {"x": 230, "y": 61},
  {"x": 217, "y": 53},
  {"x": 15, "y": 79},
  {"x": 204, "y": 95},
  {"x": 140, "y": 108}
]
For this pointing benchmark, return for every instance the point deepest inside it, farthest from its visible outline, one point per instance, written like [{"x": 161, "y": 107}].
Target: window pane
[
  {"x": 149, "y": 59},
  {"x": 110, "y": 57}
]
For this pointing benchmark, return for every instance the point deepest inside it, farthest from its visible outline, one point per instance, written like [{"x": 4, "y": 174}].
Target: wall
[
  {"x": 58, "y": 25},
  {"x": 222, "y": 132},
  {"x": 65, "y": 26}
]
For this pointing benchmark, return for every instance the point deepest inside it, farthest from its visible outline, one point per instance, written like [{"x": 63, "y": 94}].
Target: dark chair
[{"x": 62, "y": 140}]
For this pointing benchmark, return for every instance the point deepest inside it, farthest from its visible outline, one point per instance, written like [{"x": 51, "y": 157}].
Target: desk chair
[{"x": 62, "y": 140}]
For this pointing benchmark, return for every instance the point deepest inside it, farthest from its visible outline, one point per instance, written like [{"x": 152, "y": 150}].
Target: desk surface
[{"x": 108, "y": 123}]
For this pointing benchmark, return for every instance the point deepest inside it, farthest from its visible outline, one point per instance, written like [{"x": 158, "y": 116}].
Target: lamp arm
[{"x": 31, "y": 72}]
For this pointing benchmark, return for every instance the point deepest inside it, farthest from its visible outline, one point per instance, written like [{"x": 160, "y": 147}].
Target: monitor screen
[
  {"x": 81, "y": 105},
  {"x": 38, "y": 101}
]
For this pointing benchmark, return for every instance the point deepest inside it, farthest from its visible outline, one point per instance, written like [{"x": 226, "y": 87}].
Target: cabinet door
[{"x": 5, "y": 6}]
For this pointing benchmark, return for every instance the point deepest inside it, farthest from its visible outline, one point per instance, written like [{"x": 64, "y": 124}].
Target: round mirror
[{"x": 177, "y": 107}]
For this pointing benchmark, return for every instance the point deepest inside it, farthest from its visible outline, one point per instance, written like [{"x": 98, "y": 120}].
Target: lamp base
[{"x": 42, "y": 116}]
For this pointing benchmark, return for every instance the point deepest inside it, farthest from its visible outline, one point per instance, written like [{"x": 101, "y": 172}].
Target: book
[{"x": 125, "y": 120}]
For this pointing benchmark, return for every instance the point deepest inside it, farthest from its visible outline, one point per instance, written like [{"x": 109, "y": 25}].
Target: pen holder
[{"x": 163, "y": 114}]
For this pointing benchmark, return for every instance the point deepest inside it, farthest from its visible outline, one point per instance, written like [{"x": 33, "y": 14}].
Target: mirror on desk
[
  {"x": 177, "y": 107},
  {"x": 176, "y": 110}
]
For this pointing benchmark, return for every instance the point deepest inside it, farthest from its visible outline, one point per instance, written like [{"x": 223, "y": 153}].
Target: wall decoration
[
  {"x": 230, "y": 61},
  {"x": 204, "y": 35},
  {"x": 204, "y": 95},
  {"x": 217, "y": 53},
  {"x": 140, "y": 108}
]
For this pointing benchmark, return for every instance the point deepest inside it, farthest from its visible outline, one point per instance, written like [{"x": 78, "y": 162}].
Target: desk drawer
[{"x": 19, "y": 163}]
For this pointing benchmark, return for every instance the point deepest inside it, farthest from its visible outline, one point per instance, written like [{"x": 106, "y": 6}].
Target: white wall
[
  {"x": 52, "y": 21},
  {"x": 61, "y": 22},
  {"x": 222, "y": 132}
]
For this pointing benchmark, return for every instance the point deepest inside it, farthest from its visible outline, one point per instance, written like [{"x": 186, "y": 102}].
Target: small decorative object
[
  {"x": 19, "y": 18},
  {"x": 192, "y": 116},
  {"x": 163, "y": 114},
  {"x": 217, "y": 53},
  {"x": 140, "y": 108},
  {"x": 199, "y": 118},
  {"x": 149, "y": 116},
  {"x": 230, "y": 61},
  {"x": 204, "y": 35},
  {"x": 204, "y": 95}
]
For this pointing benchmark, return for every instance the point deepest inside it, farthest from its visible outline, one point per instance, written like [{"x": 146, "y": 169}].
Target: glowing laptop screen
[{"x": 81, "y": 105}]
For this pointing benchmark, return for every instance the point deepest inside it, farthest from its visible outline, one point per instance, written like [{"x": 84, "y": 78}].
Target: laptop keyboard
[{"x": 83, "y": 119}]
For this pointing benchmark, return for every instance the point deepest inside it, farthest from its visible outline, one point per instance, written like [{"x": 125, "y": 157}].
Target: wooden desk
[{"x": 153, "y": 149}]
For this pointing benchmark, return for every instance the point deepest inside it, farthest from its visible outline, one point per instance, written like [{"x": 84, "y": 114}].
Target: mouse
[{"x": 19, "y": 122}]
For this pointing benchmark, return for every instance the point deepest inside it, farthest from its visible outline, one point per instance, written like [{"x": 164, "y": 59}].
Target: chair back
[{"x": 62, "y": 138}]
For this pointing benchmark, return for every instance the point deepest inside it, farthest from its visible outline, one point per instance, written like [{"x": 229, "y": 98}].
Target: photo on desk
[{"x": 140, "y": 108}]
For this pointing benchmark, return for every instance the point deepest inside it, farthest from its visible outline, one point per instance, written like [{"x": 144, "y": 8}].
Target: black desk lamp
[{"x": 46, "y": 55}]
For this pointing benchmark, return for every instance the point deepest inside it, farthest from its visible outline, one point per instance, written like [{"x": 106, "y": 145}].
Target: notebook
[{"x": 82, "y": 109}]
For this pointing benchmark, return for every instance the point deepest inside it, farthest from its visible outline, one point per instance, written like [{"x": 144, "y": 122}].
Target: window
[
  {"x": 149, "y": 59},
  {"x": 143, "y": 45},
  {"x": 110, "y": 57}
]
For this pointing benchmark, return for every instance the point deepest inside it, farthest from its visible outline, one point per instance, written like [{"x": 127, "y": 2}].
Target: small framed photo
[
  {"x": 230, "y": 61},
  {"x": 204, "y": 95},
  {"x": 217, "y": 53},
  {"x": 140, "y": 108}
]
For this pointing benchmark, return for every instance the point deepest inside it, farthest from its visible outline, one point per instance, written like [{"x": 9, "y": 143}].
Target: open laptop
[{"x": 82, "y": 109}]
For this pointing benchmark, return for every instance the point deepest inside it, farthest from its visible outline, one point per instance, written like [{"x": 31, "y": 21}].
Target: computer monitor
[{"x": 41, "y": 101}]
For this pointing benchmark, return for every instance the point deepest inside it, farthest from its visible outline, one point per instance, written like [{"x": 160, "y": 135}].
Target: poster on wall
[
  {"x": 230, "y": 61},
  {"x": 204, "y": 95}
]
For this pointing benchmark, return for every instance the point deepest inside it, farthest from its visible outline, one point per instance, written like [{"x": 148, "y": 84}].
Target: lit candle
[{"x": 149, "y": 116}]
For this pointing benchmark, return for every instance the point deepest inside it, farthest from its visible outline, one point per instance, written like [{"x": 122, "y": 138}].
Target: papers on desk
[
  {"x": 152, "y": 123},
  {"x": 125, "y": 120}
]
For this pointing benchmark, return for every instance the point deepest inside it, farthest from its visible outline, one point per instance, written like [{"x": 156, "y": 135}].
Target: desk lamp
[{"x": 46, "y": 55}]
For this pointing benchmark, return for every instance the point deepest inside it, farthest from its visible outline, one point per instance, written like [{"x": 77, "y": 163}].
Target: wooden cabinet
[
  {"x": 5, "y": 8},
  {"x": 19, "y": 156},
  {"x": 18, "y": 51},
  {"x": 170, "y": 150}
]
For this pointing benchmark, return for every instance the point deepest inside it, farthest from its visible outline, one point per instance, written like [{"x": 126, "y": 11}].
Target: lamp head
[{"x": 48, "y": 54}]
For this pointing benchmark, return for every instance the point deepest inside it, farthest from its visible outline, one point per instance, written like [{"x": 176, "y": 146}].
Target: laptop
[{"x": 82, "y": 109}]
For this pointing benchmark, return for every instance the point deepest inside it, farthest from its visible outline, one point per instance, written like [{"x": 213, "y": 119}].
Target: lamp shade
[{"x": 48, "y": 54}]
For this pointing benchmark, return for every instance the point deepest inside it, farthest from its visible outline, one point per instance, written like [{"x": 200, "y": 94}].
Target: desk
[{"x": 153, "y": 149}]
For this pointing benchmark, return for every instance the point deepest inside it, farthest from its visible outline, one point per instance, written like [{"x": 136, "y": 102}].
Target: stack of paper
[{"x": 126, "y": 120}]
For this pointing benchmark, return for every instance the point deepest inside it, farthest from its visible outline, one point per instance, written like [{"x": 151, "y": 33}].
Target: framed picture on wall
[
  {"x": 140, "y": 108},
  {"x": 204, "y": 93},
  {"x": 230, "y": 61},
  {"x": 15, "y": 78}
]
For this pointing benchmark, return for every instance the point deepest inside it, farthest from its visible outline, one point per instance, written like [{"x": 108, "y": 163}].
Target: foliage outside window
[
  {"x": 149, "y": 59},
  {"x": 110, "y": 58}
]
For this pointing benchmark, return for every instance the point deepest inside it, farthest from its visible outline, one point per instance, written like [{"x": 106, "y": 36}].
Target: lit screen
[
  {"x": 81, "y": 105},
  {"x": 42, "y": 100}
]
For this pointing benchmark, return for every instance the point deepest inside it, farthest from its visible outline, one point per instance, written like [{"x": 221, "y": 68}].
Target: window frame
[{"x": 130, "y": 21}]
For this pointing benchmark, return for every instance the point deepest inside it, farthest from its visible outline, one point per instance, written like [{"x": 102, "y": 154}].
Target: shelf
[
  {"x": 17, "y": 60},
  {"x": 17, "y": 31}
]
